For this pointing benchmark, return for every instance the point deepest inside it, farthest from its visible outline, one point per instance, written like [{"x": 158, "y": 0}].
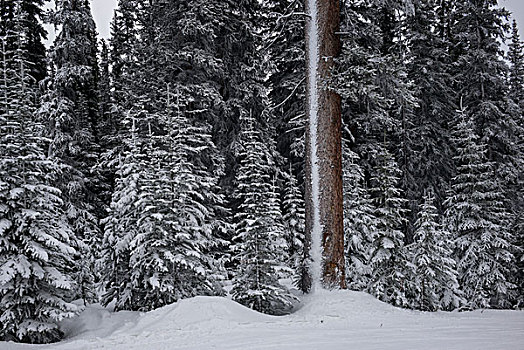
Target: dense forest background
[{"x": 168, "y": 162}]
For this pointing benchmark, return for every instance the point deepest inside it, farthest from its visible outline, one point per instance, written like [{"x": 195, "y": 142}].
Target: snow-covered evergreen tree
[
  {"x": 70, "y": 103},
  {"x": 516, "y": 60},
  {"x": 378, "y": 106},
  {"x": 33, "y": 31},
  {"x": 118, "y": 94},
  {"x": 294, "y": 220},
  {"x": 388, "y": 255},
  {"x": 107, "y": 130},
  {"x": 37, "y": 243},
  {"x": 480, "y": 76},
  {"x": 430, "y": 69},
  {"x": 170, "y": 257},
  {"x": 124, "y": 60},
  {"x": 164, "y": 214},
  {"x": 435, "y": 275},
  {"x": 213, "y": 45},
  {"x": 69, "y": 108},
  {"x": 478, "y": 221},
  {"x": 515, "y": 189},
  {"x": 259, "y": 242},
  {"x": 479, "y": 71},
  {"x": 366, "y": 84},
  {"x": 282, "y": 24},
  {"x": 359, "y": 222},
  {"x": 120, "y": 227},
  {"x": 397, "y": 87}
]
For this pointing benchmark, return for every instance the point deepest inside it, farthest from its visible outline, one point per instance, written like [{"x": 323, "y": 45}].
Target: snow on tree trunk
[{"x": 324, "y": 209}]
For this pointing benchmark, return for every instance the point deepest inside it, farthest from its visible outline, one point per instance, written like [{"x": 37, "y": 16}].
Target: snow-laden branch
[{"x": 290, "y": 95}]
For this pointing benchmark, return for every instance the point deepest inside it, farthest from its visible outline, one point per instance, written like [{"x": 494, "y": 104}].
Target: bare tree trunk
[{"x": 324, "y": 208}]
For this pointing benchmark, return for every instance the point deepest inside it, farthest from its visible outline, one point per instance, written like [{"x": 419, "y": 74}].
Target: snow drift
[{"x": 327, "y": 320}]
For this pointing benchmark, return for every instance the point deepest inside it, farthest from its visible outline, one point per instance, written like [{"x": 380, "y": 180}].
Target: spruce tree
[
  {"x": 182, "y": 205},
  {"x": 430, "y": 69},
  {"x": 378, "y": 106},
  {"x": 516, "y": 93},
  {"x": 223, "y": 77},
  {"x": 259, "y": 243},
  {"x": 69, "y": 107},
  {"x": 215, "y": 47},
  {"x": 37, "y": 243},
  {"x": 478, "y": 221},
  {"x": 167, "y": 224},
  {"x": 480, "y": 76},
  {"x": 123, "y": 59},
  {"x": 107, "y": 129},
  {"x": 435, "y": 275},
  {"x": 388, "y": 255},
  {"x": 516, "y": 60},
  {"x": 118, "y": 93},
  {"x": 293, "y": 219},
  {"x": 33, "y": 31},
  {"x": 361, "y": 81},
  {"x": 396, "y": 86},
  {"x": 120, "y": 226},
  {"x": 359, "y": 222}
]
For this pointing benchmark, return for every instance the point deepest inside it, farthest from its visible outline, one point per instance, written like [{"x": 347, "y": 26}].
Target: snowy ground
[{"x": 329, "y": 320}]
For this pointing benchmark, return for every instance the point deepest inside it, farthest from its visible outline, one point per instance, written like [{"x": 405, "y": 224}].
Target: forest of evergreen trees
[{"x": 169, "y": 161}]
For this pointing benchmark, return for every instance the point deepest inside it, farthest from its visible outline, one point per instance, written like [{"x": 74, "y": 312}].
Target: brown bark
[{"x": 329, "y": 151}]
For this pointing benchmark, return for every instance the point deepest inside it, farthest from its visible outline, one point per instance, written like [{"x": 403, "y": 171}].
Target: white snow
[
  {"x": 328, "y": 320},
  {"x": 316, "y": 233}
]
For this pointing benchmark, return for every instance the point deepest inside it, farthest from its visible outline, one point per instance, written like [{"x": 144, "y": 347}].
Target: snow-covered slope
[{"x": 328, "y": 320}]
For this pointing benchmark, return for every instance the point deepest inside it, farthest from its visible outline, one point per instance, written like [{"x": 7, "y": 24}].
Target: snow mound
[
  {"x": 327, "y": 320},
  {"x": 343, "y": 302},
  {"x": 198, "y": 313}
]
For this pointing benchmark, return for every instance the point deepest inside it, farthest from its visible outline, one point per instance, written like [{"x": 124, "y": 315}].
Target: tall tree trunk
[{"x": 324, "y": 208}]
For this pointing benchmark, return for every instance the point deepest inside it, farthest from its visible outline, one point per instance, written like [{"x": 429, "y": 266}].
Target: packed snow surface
[{"x": 327, "y": 320}]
